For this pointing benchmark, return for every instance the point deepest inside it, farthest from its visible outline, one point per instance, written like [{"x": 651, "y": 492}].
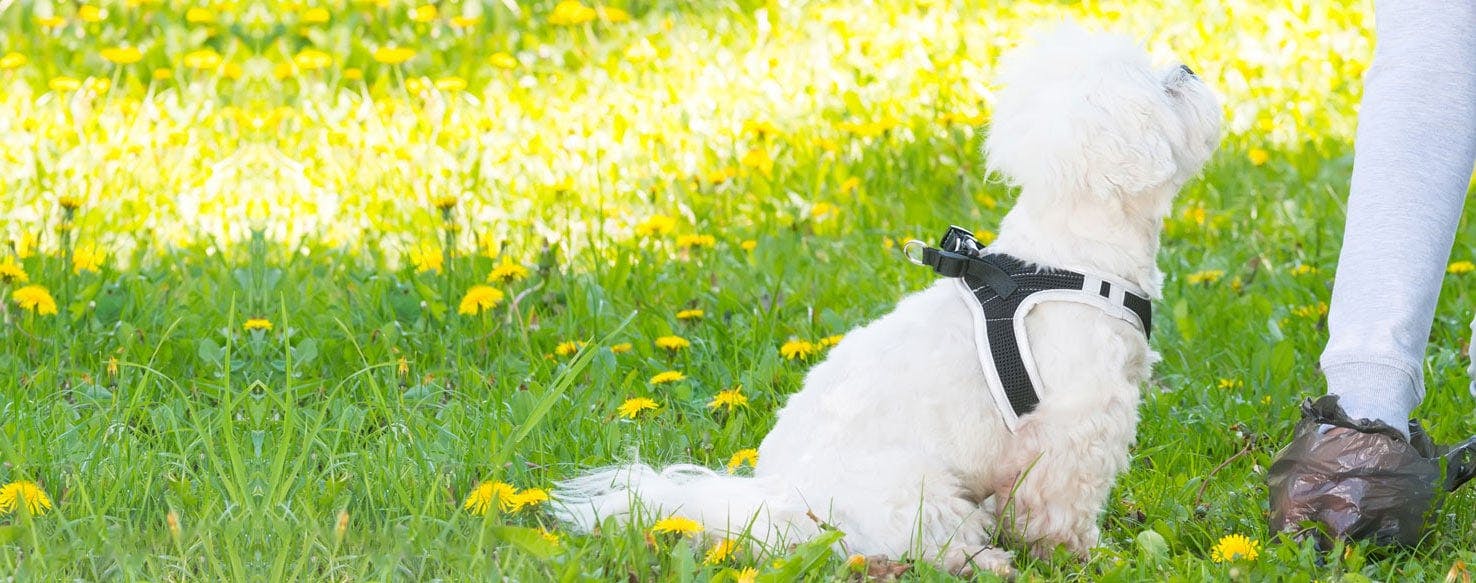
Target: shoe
[{"x": 1361, "y": 479}]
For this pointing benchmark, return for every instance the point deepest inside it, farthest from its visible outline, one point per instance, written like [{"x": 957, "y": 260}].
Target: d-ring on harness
[{"x": 1000, "y": 290}]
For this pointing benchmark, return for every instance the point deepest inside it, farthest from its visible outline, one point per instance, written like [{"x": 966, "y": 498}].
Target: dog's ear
[{"x": 1081, "y": 113}]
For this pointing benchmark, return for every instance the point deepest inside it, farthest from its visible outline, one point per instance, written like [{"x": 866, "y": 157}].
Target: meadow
[{"x": 322, "y": 290}]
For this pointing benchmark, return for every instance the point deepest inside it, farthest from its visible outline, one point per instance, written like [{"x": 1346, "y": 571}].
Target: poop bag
[{"x": 1361, "y": 479}]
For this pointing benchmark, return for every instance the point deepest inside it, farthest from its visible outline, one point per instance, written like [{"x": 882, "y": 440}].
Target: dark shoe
[{"x": 1361, "y": 479}]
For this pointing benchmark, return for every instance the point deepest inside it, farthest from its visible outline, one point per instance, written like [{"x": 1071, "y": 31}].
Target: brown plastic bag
[{"x": 1361, "y": 479}]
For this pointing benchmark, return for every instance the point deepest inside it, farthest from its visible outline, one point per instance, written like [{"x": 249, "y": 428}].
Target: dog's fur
[{"x": 894, "y": 438}]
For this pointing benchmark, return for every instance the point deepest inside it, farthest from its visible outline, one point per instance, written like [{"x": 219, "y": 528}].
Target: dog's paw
[{"x": 966, "y": 561}]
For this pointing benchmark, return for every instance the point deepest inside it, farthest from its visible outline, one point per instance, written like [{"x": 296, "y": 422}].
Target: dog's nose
[{"x": 1187, "y": 70}]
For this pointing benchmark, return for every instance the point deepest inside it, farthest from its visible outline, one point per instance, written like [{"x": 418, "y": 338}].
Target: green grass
[{"x": 260, "y": 444}]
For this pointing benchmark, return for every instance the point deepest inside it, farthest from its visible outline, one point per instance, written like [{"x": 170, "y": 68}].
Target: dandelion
[
  {"x": 747, "y": 575},
  {"x": 743, "y": 456},
  {"x": 798, "y": 349},
  {"x": 254, "y": 324},
  {"x": 63, "y": 84},
  {"x": 571, "y": 13},
  {"x": 526, "y": 498},
  {"x": 1311, "y": 310},
  {"x": 123, "y": 55},
  {"x": 672, "y": 343},
  {"x": 393, "y": 55},
  {"x": 720, "y": 552},
  {"x": 1206, "y": 276},
  {"x": 341, "y": 526},
  {"x": 12, "y": 272},
  {"x": 721, "y": 175},
  {"x": 656, "y": 225},
  {"x": 312, "y": 59},
  {"x": 1304, "y": 269},
  {"x": 830, "y": 341},
  {"x": 450, "y": 84},
  {"x": 90, "y": 14},
  {"x": 633, "y": 407},
  {"x": 112, "y": 366},
  {"x": 444, "y": 203},
  {"x": 427, "y": 257},
  {"x": 696, "y": 241},
  {"x": 731, "y": 398},
  {"x": 1195, "y": 215},
  {"x": 87, "y": 258},
  {"x": 314, "y": 16},
  {"x": 856, "y": 562},
  {"x": 12, "y": 60},
  {"x": 36, "y": 299},
  {"x": 1258, "y": 156},
  {"x": 748, "y": 245},
  {"x": 480, "y": 499},
  {"x": 1235, "y": 547},
  {"x": 670, "y": 376},
  {"x": 465, "y": 21},
  {"x": 26, "y": 492},
  {"x": 424, "y": 14},
  {"x": 677, "y": 525},
  {"x": 823, "y": 209},
  {"x": 353, "y": 73},
  {"x": 1461, "y": 268},
  {"x": 1230, "y": 384},
  {"x": 162, "y": 74},
  {"x": 503, "y": 61},
  {"x": 69, "y": 202},
  {"x": 985, "y": 236},
  {"x": 203, "y": 59},
  {"x": 692, "y": 314},
  {"x": 478, "y": 299},
  {"x": 568, "y": 347},
  {"x": 402, "y": 366},
  {"x": 850, "y": 184},
  {"x": 621, "y": 348},
  {"x": 507, "y": 271},
  {"x": 171, "y": 522},
  {"x": 758, "y": 159},
  {"x": 51, "y": 21},
  {"x": 199, "y": 15}
]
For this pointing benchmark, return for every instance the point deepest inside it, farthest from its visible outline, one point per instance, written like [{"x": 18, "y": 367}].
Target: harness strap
[{"x": 1002, "y": 288}]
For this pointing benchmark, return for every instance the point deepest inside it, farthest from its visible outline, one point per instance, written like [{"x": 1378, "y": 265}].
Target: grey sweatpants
[{"x": 1412, "y": 165}]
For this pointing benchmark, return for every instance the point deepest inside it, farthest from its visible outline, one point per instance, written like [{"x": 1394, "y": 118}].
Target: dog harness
[{"x": 1000, "y": 290}]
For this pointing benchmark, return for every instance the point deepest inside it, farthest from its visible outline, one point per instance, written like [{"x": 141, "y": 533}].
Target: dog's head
[{"x": 1084, "y": 114}]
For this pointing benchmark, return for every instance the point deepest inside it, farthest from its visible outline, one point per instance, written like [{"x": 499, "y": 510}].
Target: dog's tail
[{"x": 764, "y": 510}]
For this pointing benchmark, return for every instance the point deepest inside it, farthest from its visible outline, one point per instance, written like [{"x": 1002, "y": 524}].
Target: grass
[{"x": 227, "y": 175}]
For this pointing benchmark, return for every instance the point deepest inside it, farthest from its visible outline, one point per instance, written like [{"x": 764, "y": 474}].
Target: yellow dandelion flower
[
  {"x": 985, "y": 236},
  {"x": 402, "y": 366},
  {"x": 721, "y": 175},
  {"x": 124, "y": 55},
  {"x": 12, "y": 60},
  {"x": 823, "y": 209},
  {"x": 1236, "y": 547},
  {"x": 503, "y": 61},
  {"x": 749, "y": 245},
  {"x": 63, "y": 84},
  {"x": 568, "y": 347},
  {"x": 427, "y": 257},
  {"x": 507, "y": 271},
  {"x": 353, "y": 74},
  {"x": 87, "y": 258},
  {"x": 830, "y": 341},
  {"x": 203, "y": 59},
  {"x": 90, "y": 14},
  {"x": 1311, "y": 310},
  {"x": 26, "y": 492},
  {"x": 731, "y": 398},
  {"x": 670, "y": 376},
  {"x": 393, "y": 55},
  {"x": 621, "y": 348},
  {"x": 257, "y": 324},
  {"x": 314, "y": 16},
  {"x": 162, "y": 74},
  {"x": 36, "y": 299},
  {"x": 12, "y": 272},
  {"x": 696, "y": 241},
  {"x": 759, "y": 159},
  {"x": 480, "y": 499},
  {"x": 312, "y": 59},
  {"x": 444, "y": 203},
  {"x": 1461, "y": 268},
  {"x": 1206, "y": 276},
  {"x": 197, "y": 15},
  {"x": 571, "y": 13},
  {"x": 747, "y": 575},
  {"x": 69, "y": 202},
  {"x": 656, "y": 225},
  {"x": 478, "y": 299},
  {"x": 633, "y": 407},
  {"x": 1258, "y": 156},
  {"x": 450, "y": 84},
  {"x": 112, "y": 366},
  {"x": 692, "y": 314},
  {"x": 1230, "y": 384},
  {"x": 856, "y": 562},
  {"x": 720, "y": 552},
  {"x": 51, "y": 21},
  {"x": 1196, "y": 215},
  {"x": 526, "y": 498},
  {"x": 677, "y": 525},
  {"x": 1304, "y": 269},
  {"x": 850, "y": 184},
  {"x": 798, "y": 349},
  {"x": 551, "y": 537},
  {"x": 465, "y": 21},
  {"x": 743, "y": 456},
  {"x": 424, "y": 13},
  {"x": 672, "y": 343}
]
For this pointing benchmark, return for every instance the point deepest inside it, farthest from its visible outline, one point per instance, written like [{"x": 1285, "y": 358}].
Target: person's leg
[{"x": 1415, "y": 148}]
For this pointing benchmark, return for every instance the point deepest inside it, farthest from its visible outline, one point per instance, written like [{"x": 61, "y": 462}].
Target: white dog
[{"x": 895, "y": 439}]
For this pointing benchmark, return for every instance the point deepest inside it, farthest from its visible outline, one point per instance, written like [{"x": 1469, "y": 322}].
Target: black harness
[{"x": 1002, "y": 290}]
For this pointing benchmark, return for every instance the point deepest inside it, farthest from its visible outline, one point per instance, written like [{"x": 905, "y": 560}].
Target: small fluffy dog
[{"x": 894, "y": 439}]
